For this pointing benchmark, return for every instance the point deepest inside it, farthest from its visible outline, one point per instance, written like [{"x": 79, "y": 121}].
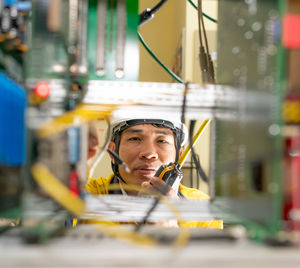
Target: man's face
[{"x": 144, "y": 148}]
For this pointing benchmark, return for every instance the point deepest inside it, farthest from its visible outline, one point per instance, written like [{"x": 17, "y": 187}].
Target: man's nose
[{"x": 148, "y": 151}]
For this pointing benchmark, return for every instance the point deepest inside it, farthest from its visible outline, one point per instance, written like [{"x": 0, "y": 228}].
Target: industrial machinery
[
  {"x": 255, "y": 179},
  {"x": 13, "y": 109},
  {"x": 12, "y": 149},
  {"x": 73, "y": 44},
  {"x": 77, "y": 60},
  {"x": 53, "y": 50}
]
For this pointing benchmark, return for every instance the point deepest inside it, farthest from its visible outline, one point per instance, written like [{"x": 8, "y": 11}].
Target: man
[{"x": 144, "y": 145}]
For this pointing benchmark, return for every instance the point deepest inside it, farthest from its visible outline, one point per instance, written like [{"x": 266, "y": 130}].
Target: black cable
[
  {"x": 200, "y": 16},
  {"x": 191, "y": 175},
  {"x": 158, "y": 6},
  {"x": 164, "y": 190},
  {"x": 197, "y": 175},
  {"x": 202, "y": 52},
  {"x": 206, "y": 65},
  {"x": 199, "y": 23},
  {"x": 183, "y": 110},
  {"x": 205, "y": 15},
  {"x": 203, "y": 28},
  {"x": 210, "y": 66},
  {"x": 194, "y": 157},
  {"x": 183, "y": 107},
  {"x": 147, "y": 215},
  {"x": 156, "y": 201},
  {"x": 148, "y": 13},
  {"x": 169, "y": 180}
]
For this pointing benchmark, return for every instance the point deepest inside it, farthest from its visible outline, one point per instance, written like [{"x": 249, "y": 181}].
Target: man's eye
[
  {"x": 162, "y": 141},
  {"x": 134, "y": 139}
]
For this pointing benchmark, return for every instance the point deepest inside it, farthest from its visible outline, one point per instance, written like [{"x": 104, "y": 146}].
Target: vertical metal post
[
  {"x": 79, "y": 66},
  {"x": 120, "y": 45},
  {"x": 101, "y": 37}
]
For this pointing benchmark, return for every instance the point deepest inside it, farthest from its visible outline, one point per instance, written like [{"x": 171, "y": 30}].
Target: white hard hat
[{"x": 119, "y": 123}]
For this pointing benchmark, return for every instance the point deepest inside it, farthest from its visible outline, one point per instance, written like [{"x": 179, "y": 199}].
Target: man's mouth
[{"x": 147, "y": 171}]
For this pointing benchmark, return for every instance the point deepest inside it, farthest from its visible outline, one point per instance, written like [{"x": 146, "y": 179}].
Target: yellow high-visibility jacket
[{"x": 100, "y": 186}]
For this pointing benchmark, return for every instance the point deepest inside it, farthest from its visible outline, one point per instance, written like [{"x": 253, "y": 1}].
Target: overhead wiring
[
  {"x": 202, "y": 25},
  {"x": 199, "y": 26},
  {"x": 174, "y": 76},
  {"x": 210, "y": 65},
  {"x": 148, "y": 13},
  {"x": 183, "y": 107},
  {"x": 206, "y": 64},
  {"x": 202, "y": 52},
  {"x": 205, "y": 15},
  {"x": 158, "y": 6}
]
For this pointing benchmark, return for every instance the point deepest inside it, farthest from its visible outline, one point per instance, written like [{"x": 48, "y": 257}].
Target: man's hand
[
  {"x": 93, "y": 141},
  {"x": 157, "y": 185}
]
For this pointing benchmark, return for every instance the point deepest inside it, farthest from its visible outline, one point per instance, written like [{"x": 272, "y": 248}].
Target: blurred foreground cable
[{"x": 59, "y": 192}]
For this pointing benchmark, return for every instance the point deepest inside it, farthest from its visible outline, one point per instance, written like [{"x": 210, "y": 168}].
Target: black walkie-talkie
[{"x": 169, "y": 173}]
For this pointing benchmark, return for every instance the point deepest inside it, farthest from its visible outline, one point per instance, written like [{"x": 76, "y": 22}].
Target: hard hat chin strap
[{"x": 115, "y": 166}]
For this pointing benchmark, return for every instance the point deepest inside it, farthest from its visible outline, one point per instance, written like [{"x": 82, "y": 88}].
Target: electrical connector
[
  {"x": 203, "y": 65},
  {"x": 145, "y": 16},
  {"x": 211, "y": 70},
  {"x": 148, "y": 14}
]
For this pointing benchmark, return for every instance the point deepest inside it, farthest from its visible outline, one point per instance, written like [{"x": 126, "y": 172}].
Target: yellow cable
[
  {"x": 195, "y": 139},
  {"x": 83, "y": 113},
  {"x": 72, "y": 203},
  {"x": 57, "y": 190}
]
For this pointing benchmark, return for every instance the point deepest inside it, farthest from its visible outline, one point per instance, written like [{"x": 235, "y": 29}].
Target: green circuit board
[
  {"x": 54, "y": 49},
  {"x": 248, "y": 149}
]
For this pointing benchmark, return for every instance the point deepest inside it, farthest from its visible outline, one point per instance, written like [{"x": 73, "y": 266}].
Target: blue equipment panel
[{"x": 12, "y": 122}]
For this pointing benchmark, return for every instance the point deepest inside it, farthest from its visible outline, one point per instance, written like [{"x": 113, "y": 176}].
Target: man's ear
[{"x": 112, "y": 146}]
